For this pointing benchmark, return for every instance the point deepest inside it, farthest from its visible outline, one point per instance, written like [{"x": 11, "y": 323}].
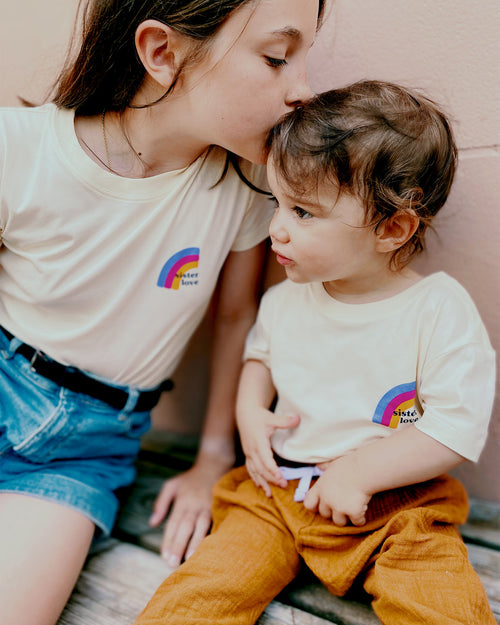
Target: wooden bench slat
[
  {"x": 483, "y": 524},
  {"x": 279, "y": 614},
  {"x": 313, "y": 597},
  {"x": 486, "y": 562},
  {"x": 116, "y": 584}
]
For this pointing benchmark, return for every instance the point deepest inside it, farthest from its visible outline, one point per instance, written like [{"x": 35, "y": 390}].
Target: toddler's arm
[
  {"x": 256, "y": 424},
  {"x": 348, "y": 483}
]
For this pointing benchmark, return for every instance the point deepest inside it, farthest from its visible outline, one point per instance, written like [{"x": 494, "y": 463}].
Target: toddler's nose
[{"x": 277, "y": 229}]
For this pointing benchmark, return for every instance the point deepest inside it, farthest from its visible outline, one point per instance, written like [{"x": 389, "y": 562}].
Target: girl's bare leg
[{"x": 43, "y": 546}]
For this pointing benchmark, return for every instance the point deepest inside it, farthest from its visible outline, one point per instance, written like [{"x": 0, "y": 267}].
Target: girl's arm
[
  {"x": 348, "y": 483},
  {"x": 190, "y": 494}
]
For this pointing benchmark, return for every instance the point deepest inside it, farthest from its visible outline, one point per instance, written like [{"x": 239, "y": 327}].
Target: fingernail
[{"x": 173, "y": 561}]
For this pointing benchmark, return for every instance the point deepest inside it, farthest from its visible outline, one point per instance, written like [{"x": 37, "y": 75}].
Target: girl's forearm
[
  {"x": 219, "y": 425},
  {"x": 236, "y": 308}
]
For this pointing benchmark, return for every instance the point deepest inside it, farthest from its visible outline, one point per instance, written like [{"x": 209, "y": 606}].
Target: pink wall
[
  {"x": 33, "y": 39},
  {"x": 449, "y": 48}
]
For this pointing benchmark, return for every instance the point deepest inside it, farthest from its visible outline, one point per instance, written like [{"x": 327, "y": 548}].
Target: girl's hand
[
  {"x": 188, "y": 496},
  {"x": 337, "y": 496},
  {"x": 256, "y": 429}
]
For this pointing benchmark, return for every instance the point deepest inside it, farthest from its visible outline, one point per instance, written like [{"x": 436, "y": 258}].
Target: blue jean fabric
[{"x": 63, "y": 446}]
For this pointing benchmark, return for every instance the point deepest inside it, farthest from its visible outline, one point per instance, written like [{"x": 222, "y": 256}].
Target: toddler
[{"x": 384, "y": 381}]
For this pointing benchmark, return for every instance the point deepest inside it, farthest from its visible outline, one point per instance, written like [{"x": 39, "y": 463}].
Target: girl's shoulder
[
  {"x": 23, "y": 122},
  {"x": 27, "y": 114}
]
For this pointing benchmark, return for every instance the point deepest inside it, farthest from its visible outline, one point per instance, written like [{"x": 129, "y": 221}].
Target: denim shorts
[{"x": 63, "y": 446}]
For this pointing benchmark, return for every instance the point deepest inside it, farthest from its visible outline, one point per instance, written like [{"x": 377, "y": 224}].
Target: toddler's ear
[
  {"x": 161, "y": 50},
  {"x": 396, "y": 231}
]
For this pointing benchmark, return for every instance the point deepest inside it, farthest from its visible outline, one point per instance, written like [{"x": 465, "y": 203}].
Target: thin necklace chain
[
  {"x": 94, "y": 153},
  {"x": 107, "y": 163}
]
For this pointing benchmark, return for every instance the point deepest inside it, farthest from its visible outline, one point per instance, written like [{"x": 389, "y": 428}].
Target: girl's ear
[
  {"x": 396, "y": 231},
  {"x": 160, "y": 49}
]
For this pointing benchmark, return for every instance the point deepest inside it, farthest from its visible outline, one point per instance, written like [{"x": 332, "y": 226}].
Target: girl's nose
[
  {"x": 277, "y": 229},
  {"x": 299, "y": 91}
]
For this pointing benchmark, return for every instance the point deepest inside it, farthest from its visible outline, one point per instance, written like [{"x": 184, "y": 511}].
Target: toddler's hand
[
  {"x": 336, "y": 495},
  {"x": 255, "y": 433}
]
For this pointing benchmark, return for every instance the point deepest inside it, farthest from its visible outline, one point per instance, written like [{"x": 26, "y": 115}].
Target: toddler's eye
[
  {"x": 274, "y": 201},
  {"x": 275, "y": 62},
  {"x": 301, "y": 213}
]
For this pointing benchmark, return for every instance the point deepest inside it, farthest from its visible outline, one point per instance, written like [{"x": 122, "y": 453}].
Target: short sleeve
[
  {"x": 457, "y": 397},
  {"x": 457, "y": 381},
  {"x": 255, "y": 225},
  {"x": 257, "y": 346}
]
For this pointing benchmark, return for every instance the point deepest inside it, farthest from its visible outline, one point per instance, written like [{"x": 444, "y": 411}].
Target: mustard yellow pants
[{"x": 409, "y": 557}]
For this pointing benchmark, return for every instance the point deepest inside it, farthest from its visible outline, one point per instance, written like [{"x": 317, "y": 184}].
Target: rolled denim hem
[{"x": 98, "y": 506}]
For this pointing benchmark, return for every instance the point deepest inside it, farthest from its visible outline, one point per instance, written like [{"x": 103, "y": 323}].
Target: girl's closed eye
[{"x": 276, "y": 63}]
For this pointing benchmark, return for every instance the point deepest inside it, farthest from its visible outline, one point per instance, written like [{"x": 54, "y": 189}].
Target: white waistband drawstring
[{"x": 304, "y": 475}]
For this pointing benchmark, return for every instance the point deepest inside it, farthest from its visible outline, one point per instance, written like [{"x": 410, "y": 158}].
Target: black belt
[{"x": 77, "y": 381}]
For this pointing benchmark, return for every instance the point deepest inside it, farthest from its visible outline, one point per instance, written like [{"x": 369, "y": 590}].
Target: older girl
[{"x": 122, "y": 203}]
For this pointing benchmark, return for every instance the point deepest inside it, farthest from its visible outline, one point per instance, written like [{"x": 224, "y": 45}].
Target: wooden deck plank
[
  {"x": 486, "y": 562},
  {"x": 314, "y": 598},
  {"x": 116, "y": 584},
  {"x": 279, "y": 614},
  {"x": 483, "y": 524}
]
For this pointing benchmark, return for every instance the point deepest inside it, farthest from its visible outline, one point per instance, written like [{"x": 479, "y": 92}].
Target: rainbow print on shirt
[
  {"x": 393, "y": 405},
  {"x": 176, "y": 266}
]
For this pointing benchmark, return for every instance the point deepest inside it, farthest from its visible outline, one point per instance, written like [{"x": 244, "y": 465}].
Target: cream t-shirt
[
  {"x": 358, "y": 372},
  {"x": 109, "y": 274}
]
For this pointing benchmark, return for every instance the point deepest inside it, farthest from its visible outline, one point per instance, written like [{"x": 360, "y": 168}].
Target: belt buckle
[{"x": 38, "y": 355}]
